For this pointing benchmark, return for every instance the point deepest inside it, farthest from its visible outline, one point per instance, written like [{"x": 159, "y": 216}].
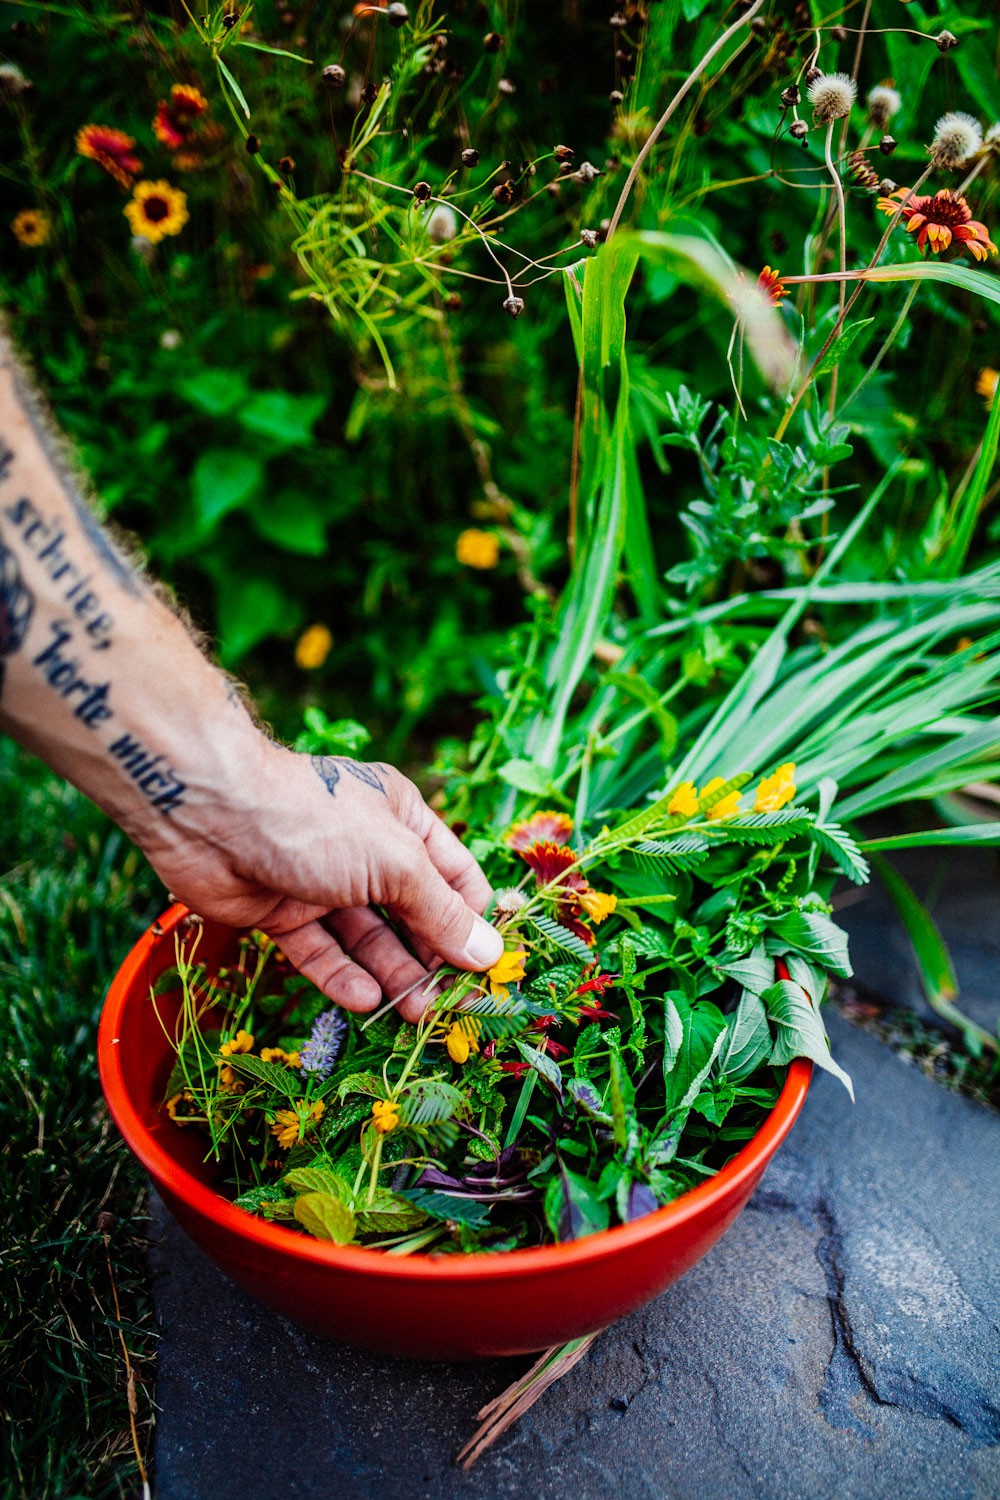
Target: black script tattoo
[
  {"x": 62, "y": 673},
  {"x": 101, "y": 544},
  {"x": 17, "y": 604},
  {"x": 329, "y": 767},
  {"x": 46, "y": 540},
  {"x": 156, "y": 780}
]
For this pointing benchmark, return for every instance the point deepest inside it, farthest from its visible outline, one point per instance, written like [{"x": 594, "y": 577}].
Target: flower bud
[
  {"x": 615, "y": 97},
  {"x": 514, "y": 306},
  {"x": 790, "y": 96},
  {"x": 492, "y": 41},
  {"x": 799, "y": 129},
  {"x": 945, "y": 40},
  {"x": 470, "y": 157},
  {"x": 397, "y": 15},
  {"x": 421, "y": 191},
  {"x": 563, "y": 153},
  {"x": 887, "y": 145}
]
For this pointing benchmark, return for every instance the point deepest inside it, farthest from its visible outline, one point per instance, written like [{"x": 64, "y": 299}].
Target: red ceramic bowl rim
[{"x": 487, "y": 1266}]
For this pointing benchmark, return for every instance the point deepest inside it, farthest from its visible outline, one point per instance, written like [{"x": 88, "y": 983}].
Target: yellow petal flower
[
  {"x": 156, "y": 209},
  {"x": 286, "y": 1128},
  {"x": 279, "y": 1055},
  {"x": 31, "y": 227},
  {"x": 986, "y": 383},
  {"x": 385, "y": 1115},
  {"x": 725, "y": 808},
  {"x": 508, "y": 969},
  {"x": 313, "y": 648},
  {"x": 477, "y": 549},
  {"x": 597, "y": 905},
  {"x": 774, "y": 791},
  {"x": 684, "y": 802},
  {"x": 241, "y": 1042},
  {"x": 462, "y": 1039}
]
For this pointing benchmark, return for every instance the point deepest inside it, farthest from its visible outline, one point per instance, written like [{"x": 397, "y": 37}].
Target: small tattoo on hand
[{"x": 330, "y": 767}]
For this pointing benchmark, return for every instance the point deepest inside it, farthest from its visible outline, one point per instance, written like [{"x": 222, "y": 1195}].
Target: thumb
[{"x": 438, "y": 916}]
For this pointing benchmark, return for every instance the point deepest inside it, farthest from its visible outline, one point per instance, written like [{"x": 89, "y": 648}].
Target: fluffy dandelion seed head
[
  {"x": 508, "y": 901},
  {"x": 992, "y": 137},
  {"x": 12, "y": 80},
  {"x": 832, "y": 96},
  {"x": 883, "y": 102},
  {"x": 442, "y": 224},
  {"x": 957, "y": 136}
]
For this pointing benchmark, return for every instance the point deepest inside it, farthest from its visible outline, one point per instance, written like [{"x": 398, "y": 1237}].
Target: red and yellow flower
[
  {"x": 772, "y": 286},
  {"x": 939, "y": 220},
  {"x": 551, "y": 827},
  {"x": 174, "y": 119},
  {"x": 31, "y": 228},
  {"x": 156, "y": 209},
  {"x": 111, "y": 149}
]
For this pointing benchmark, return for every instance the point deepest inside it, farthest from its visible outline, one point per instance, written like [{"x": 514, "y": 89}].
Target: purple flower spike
[{"x": 323, "y": 1047}]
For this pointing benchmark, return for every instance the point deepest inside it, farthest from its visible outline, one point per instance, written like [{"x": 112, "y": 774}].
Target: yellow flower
[
  {"x": 462, "y": 1039},
  {"x": 156, "y": 209},
  {"x": 279, "y": 1055},
  {"x": 31, "y": 227},
  {"x": 986, "y": 383},
  {"x": 186, "y": 1097},
  {"x": 684, "y": 802},
  {"x": 314, "y": 646},
  {"x": 774, "y": 791},
  {"x": 726, "y": 807},
  {"x": 508, "y": 969},
  {"x": 597, "y": 904},
  {"x": 290, "y": 1124},
  {"x": 385, "y": 1115},
  {"x": 241, "y": 1042},
  {"x": 477, "y": 549}
]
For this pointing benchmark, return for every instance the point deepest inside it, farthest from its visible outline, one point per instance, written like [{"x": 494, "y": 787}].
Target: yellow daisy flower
[
  {"x": 156, "y": 209},
  {"x": 279, "y": 1055},
  {"x": 31, "y": 228},
  {"x": 290, "y": 1124}
]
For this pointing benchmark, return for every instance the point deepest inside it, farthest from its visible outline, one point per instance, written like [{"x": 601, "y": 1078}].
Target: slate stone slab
[
  {"x": 959, "y": 888},
  {"x": 840, "y": 1343}
]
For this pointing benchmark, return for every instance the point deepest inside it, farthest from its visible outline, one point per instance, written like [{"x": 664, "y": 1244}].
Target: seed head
[
  {"x": 838, "y": 33},
  {"x": 945, "y": 40},
  {"x": 957, "y": 136},
  {"x": 790, "y": 96},
  {"x": 397, "y": 15},
  {"x": 334, "y": 76},
  {"x": 812, "y": 74},
  {"x": 503, "y": 193},
  {"x": 798, "y": 129},
  {"x": 508, "y": 901},
  {"x": 992, "y": 137},
  {"x": 514, "y": 306},
  {"x": 615, "y": 97},
  {"x": 563, "y": 153},
  {"x": 887, "y": 187},
  {"x": 452, "y": 302},
  {"x": 442, "y": 224},
  {"x": 618, "y": 22},
  {"x": 883, "y": 102},
  {"x": 286, "y": 164},
  {"x": 507, "y": 86},
  {"x": 588, "y": 237},
  {"x": 369, "y": 93},
  {"x": 492, "y": 41},
  {"x": 252, "y": 145},
  {"x": 228, "y": 22},
  {"x": 421, "y": 191},
  {"x": 887, "y": 145},
  {"x": 470, "y": 157},
  {"x": 831, "y": 96},
  {"x": 586, "y": 173}
]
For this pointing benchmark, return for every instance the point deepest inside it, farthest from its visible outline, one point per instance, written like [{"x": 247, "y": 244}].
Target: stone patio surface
[{"x": 842, "y": 1342}]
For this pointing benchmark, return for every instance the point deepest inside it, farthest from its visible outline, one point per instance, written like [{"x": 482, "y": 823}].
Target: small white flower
[
  {"x": 441, "y": 224},
  {"x": 170, "y": 338},
  {"x": 508, "y": 901},
  {"x": 957, "y": 136},
  {"x": 883, "y": 102},
  {"x": 831, "y": 96}
]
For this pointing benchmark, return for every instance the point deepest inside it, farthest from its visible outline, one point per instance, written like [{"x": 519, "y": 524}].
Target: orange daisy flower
[
  {"x": 772, "y": 286},
  {"x": 156, "y": 209},
  {"x": 939, "y": 219},
  {"x": 554, "y": 827},
  {"x": 174, "y": 118},
  {"x": 550, "y": 861},
  {"x": 111, "y": 149}
]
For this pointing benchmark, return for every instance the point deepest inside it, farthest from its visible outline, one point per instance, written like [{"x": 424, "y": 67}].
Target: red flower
[
  {"x": 596, "y": 986},
  {"x": 551, "y": 827},
  {"x": 111, "y": 149},
  {"x": 772, "y": 286},
  {"x": 517, "y": 1069},
  {"x": 174, "y": 118},
  {"x": 940, "y": 219},
  {"x": 550, "y": 862},
  {"x": 597, "y": 1013}
]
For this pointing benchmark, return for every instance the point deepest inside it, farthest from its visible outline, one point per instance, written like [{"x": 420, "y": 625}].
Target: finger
[
  {"x": 447, "y": 852},
  {"x": 435, "y": 913},
  {"x": 371, "y": 943},
  {"x": 318, "y": 955}
]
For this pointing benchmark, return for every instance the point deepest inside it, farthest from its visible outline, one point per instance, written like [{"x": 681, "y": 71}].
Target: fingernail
[{"x": 485, "y": 945}]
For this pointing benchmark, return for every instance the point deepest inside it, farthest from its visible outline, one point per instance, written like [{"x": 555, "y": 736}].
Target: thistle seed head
[
  {"x": 957, "y": 136},
  {"x": 507, "y": 902},
  {"x": 883, "y": 102},
  {"x": 831, "y": 96}
]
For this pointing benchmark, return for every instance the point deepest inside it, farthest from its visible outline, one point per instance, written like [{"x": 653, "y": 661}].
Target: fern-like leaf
[
  {"x": 841, "y": 848},
  {"x": 563, "y": 938}
]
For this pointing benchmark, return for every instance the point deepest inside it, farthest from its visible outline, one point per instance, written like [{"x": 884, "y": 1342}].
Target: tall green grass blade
[
  {"x": 971, "y": 502},
  {"x": 963, "y": 833}
]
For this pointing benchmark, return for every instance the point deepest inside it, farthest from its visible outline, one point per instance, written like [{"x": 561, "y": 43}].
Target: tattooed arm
[{"x": 103, "y": 681}]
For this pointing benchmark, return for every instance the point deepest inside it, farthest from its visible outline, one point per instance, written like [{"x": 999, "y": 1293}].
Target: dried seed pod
[
  {"x": 586, "y": 173},
  {"x": 838, "y": 33},
  {"x": 421, "y": 191},
  {"x": 492, "y": 41},
  {"x": 252, "y": 145},
  {"x": 588, "y": 237},
  {"x": 563, "y": 153},
  {"x": 514, "y": 306},
  {"x": 503, "y": 193},
  {"x": 286, "y": 164},
  {"x": 887, "y": 187},
  {"x": 615, "y": 97},
  {"x": 812, "y": 74},
  {"x": 883, "y": 102},
  {"x": 228, "y": 22},
  {"x": 832, "y": 96},
  {"x": 334, "y": 76},
  {"x": 470, "y": 157},
  {"x": 798, "y": 129},
  {"x": 790, "y": 96},
  {"x": 397, "y": 15},
  {"x": 617, "y": 22},
  {"x": 945, "y": 40},
  {"x": 507, "y": 86},
  {"x": 369, "y": 93},
  {"x": 887, "y": 145},
  {"x": 452, "y": 302}
]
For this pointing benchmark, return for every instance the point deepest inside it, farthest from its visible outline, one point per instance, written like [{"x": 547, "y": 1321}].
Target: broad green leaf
[
  {"x": 286, "y": 419},
  {"x": 704, "y": 1026},
  {"x": 387, "y": 1213},
  {"x": 748, "y": 1037},
  {"x": 287, "y": 1081},
  {"x": 588, "y": 1099},
  {"x": 840, "y": 346},
  {"x": 754, "y": 972},
  {"x": 292, "y": 520},
  {"x": 544, "y": 1065},
  {"x": 673, "y": 1025},
  {"x": 251, "y": 609},
  {"x": 372, "y": 1085},
  {"x": 317, "y": 1180},
  {"x": 326, "y": 1217},
  {"x": 214, "y": 392},
  {"x": 816, "y": 937},
  {"x": 800, "y": 1032},
  {"x": 527, "y": 777},
  {"x": 222, "y": 480},
  {"x": 572, "y": 1207}
]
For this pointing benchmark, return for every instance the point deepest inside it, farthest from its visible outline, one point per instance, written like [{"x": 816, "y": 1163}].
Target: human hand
[{"x": 307, "y": 850}]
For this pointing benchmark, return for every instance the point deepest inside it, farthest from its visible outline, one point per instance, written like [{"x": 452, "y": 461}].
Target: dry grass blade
[{"x": 507, "y": 1408}]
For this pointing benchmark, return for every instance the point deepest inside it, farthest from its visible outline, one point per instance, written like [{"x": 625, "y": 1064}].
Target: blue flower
[{"x": 323, "y": 1047}]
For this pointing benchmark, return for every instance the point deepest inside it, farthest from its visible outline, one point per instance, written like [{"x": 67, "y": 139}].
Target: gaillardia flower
[
  {"x": 175, "y": 116},
  {"x": 547, "y": 827},
  {"x": 939, "y": 219},
  {"x": 31, "y": 228},
  {"x": 156, "y": 210},
  {"x": 772, "y": 286},
  {"x": 111, "y": 149}
]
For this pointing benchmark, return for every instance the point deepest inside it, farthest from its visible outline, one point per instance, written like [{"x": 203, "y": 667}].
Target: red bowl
[{"x": 425, "y": 1307}]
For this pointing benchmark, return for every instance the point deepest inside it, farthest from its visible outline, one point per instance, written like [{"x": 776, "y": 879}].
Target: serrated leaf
[
  {"x": 372, "y": 1085},
  {"x": 325, "y": 1217},
  {"x": 800, "y": 1032},
  {"x": 285, "y": 1081},
  {"x": 815, "y": 937},
  {"x": 387, "y": 1213},
  {"x": 754, "y": 972},
  {"x": 318, "y": 1180},
  {"x": 449, "y": 1206}
]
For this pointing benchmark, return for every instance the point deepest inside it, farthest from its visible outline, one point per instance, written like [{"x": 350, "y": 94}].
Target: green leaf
[
  {"x": 286, "y": 1081},
  {"x": 562, "y": 937},
  {"x": 673, "y": 1039},
  {"x": 292, "y": 520},
  {"x": 588, "y": 1099},
  {"x": 285, "y": 419},
  {"x": 222, "y": 480},
  {"x": 967, "y": 833},
  {"x": 251, "y": 609},
  {"x": 326, "y": 1217},
  {"x": 317, "y": 1180},
  {"x": 800, "y": 1032},
  {"x": 387, "y": 1213},
  {"x": 544, "y": 1065},
  {"x": 754, "y": 972},
  {"x": 448, "y": 1207},
  {"x": 234, "y": 86},
  {"x": 212, "y": 391},
  {"x": 748, "y": 1038},
  {"x": 527, "y": 777},
  {"x": 815, "y": 936},
  {"x": 704, "y": 1027},
  {"x": 840, "y": 346},
  {"x": 572, "y": 1207},
  {"x": 372, "y": 1085}
]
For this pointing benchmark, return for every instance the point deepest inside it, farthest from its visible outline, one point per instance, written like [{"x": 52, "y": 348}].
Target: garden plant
[{"x": 595, "y": 404}]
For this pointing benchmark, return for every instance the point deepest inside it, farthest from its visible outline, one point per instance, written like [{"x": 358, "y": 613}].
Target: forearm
[{"x": 97, "y": 675}]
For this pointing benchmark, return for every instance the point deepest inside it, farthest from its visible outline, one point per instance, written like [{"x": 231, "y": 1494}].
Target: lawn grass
[{"x": 73, "y": 896}]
